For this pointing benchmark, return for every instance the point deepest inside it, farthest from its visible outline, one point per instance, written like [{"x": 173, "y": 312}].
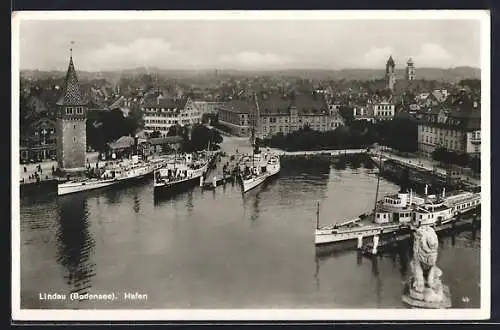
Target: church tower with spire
[
  {"x": 410, "y": 70},
  {"x": 71, "y": 123},
  {"x": 390, "y": 75}
]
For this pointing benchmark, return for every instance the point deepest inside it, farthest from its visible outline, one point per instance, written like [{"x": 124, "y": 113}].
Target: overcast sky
[{"x": 258, "y": 44}]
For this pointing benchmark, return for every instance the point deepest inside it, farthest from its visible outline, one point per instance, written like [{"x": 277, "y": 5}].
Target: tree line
[{"x": 400, "y": 134}]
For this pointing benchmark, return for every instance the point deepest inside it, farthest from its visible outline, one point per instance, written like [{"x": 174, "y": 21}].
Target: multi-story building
[
  {"x": 235, "y": 116},
  {"x": 383, "y": 110},
  {"x": 287, "y": 114},
  {"x": 160, "y": 113},
  {"x": 206, "y": 107},
  {"x": 456, "y": 128},
  {"x": 279, "y": 113},
  {"x": 39, "y": 142},
  {"x": 363, "y": 113}
]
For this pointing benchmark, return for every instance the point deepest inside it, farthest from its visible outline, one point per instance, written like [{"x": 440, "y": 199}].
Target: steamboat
[
  {"x": 398, "y": 213},
  {"x": 262, "y": 169},
  {"x": 115, "y": 173},
  {"x": 176, "y": 175}
]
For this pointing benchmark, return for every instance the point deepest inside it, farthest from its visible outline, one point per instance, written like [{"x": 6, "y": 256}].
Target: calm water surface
[{"x": 222, "y": 249}]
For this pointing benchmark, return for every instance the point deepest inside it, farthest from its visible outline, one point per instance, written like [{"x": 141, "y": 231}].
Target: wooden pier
[
  {"x": 222, "y": 171},
  {"x": 388, "y": 242}
]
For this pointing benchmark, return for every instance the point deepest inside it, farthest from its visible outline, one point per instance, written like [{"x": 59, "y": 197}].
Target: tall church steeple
[
  {"x": 410, "y": 70},
  {"x": 390, "y": 74}
]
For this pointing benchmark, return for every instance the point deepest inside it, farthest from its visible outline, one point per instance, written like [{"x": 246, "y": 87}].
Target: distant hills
[{"x": 448, "y": 75}]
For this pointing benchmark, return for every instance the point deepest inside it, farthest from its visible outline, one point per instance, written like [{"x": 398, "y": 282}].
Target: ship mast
[{"x": 378, "y": 183}]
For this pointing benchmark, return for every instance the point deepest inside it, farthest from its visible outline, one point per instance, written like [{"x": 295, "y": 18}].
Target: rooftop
[{"x": 71, "y": 91}]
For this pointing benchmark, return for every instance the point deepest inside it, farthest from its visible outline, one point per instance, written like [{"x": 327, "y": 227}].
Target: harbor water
[{"x": 222, "y": 248}]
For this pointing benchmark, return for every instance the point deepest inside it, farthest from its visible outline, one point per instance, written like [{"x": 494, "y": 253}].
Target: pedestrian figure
[{"x": 25, "y": 169}]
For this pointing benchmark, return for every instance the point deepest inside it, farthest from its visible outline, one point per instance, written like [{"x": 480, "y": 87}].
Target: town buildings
[
  {"x": 455, "y": 127},
  {"x": 204, "y": 107},
  {"x": 39, "y": 141},
  {"x": 287, "y": 114},
  {"x": 160, "y": 113},
  {"x": 71, "y": 124},
  {"x": 363, "y": 113},
  {"x": 383, "y": 110},
  {"x": 235, "y": 116}
]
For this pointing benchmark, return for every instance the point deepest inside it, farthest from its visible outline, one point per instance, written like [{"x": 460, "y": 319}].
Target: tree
[
  {"x": 475, "y": 164},
  {"x": 439, "y": 154},
  {"x": 201, "y": 137},
  {"x": 401, "y": 134},
  {"x": 107, "y": 126},
  {"x": 347, "y": 114},
  {"x": 155, "y": 134},
  {"x": 209, "y": 118}
]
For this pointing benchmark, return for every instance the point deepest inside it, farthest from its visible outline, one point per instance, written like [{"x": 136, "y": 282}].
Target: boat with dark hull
[{"x": 179, "y": 176}]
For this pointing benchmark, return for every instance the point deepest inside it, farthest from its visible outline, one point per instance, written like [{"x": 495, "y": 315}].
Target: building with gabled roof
[
  {"x": 272, "y": 113},
  {"x": 159, "y": 113},
  {"x": 456, "y": 127}
]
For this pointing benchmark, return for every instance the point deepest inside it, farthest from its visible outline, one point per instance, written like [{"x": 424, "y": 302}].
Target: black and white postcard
[{"x": 251, "y": 165}]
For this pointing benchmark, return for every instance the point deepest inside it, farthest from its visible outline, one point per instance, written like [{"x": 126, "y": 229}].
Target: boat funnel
[{"x": 444, "y": 192}]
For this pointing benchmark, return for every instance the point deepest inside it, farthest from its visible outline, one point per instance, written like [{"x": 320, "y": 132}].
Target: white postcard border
[{"x": 482, "y": 313}]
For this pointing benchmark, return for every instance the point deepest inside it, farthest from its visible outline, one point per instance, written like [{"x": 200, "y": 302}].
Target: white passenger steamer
[{"x": 119, "y": 172}]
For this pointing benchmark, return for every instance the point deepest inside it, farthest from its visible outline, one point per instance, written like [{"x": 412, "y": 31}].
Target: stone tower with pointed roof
[
  {"x": 410, "y": 70},
  {"x": 390, "y": 75},
  {"x": 71, "y": 124}
]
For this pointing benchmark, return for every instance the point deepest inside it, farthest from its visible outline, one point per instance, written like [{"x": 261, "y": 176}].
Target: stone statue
[{"x": 424, "y": 288}]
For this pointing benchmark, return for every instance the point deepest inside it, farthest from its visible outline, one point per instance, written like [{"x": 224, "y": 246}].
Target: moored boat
[
  {"x": 119, "y": 173},
  {"x": 391, "y": 214},
  {"x": 394, "y": 215},
  {"x": 175, "y": 175},
  {"x": 261, "y": 170}
]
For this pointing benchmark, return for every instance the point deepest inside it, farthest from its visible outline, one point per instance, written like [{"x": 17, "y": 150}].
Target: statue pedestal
[{"x": 428, "y": 298}]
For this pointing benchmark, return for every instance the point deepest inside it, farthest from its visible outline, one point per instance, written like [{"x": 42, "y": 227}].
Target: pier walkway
[
  {"x": 379, "y": 245},
  {"x": 424, "y": 165},
  {"x": 217, "y": 174}
]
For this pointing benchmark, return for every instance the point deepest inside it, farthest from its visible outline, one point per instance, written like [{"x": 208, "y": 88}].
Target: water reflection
[
  {"x": 113, "y": 195},
  {"x": 378, "y": 281},
  {"x": 316, "y": 273},
  {"x": 359, "y": 258},
  {"x": 136, "y": 205},
  {"x": 253, "y": 198},
  {"x": 189, "y": 202},
  {"x": 75, "y": 244}
]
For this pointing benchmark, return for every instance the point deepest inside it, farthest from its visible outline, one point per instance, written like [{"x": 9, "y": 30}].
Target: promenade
[
  {"x": 424, "y": 164},
  {"x": 44, "y": 169}
]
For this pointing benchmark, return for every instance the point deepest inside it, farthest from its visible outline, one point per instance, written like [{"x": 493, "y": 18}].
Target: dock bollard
[
  {"x": 360, "y": 242},
  {"x": 201, "y": 181},
  {"x": 214, "y": 181},
  {"x": 375, "y": 244}
]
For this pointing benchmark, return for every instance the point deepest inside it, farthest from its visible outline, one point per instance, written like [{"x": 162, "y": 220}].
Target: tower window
[
  {"x": 69, "y": 110},
  {"x": 79, "y": 110}
]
